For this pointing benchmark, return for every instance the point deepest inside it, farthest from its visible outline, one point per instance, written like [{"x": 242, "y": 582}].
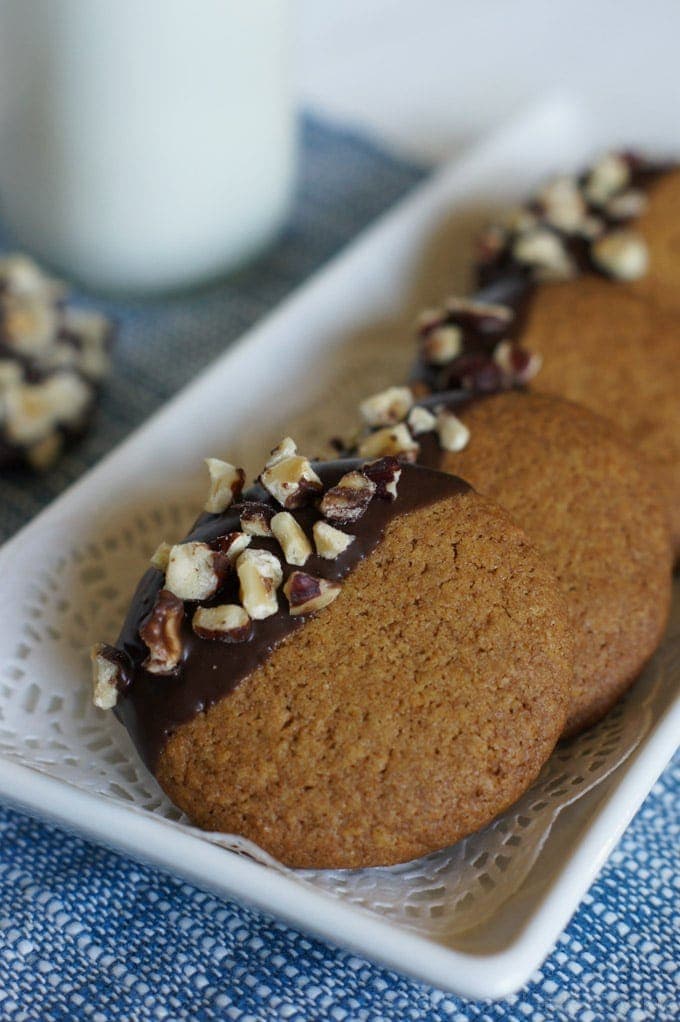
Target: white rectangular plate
[{"x": 477, "y": 918}]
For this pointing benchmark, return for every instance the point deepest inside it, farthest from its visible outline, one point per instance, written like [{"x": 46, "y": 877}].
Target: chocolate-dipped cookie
[
  {"x": 53, "y": 358},
  {"x": 352, "y": 664},
  {"x": 582, "y": 494},
  {"x": 591, "y": 270}
]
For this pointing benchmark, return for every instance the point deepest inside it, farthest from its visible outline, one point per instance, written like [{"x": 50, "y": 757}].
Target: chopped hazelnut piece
[
  {"x": 627, "y": 205},
  {"x": 161, "y": 633},
  {"x": 442, "y": 344},
  {"x": 385, "y": 473},
  {"x": 232, "y": 545},
  {"x": 294, "y": 543},
  {"x": 453, "y": 434},
  {"x": 545, "y": 253},
  {"x": 563, "y": 204},
  {"x": 260, "y": 575},
  {"x": 388, "y": 407},
  {"x": 421, "y": 420},
  {"x": 392, "y": 440},
  {"x": 33, "y": 409},
  {"x": 610, "y": 174},
  {"x": 518, "y": 365},
  {"x": 194, "y": 571},
  {"x": 21, "y": 275},
  {"x": 256, "y": 518},
  {"x": 347, "y": 501},
  {"x": 227, "y": 623},
  {"x": 329, "y": 541},
  {"x": 621, "y": 254},
  {"x": 161, "y": 556},
  {"x": 226, "y": 484},
  {"x": 29, "y": 324},
  {"x": 91, "y": 328},
  {"x": 109, "y": 679},
  {"x": 286, "y": 448},
  {"x": 305, "y": 593},
  {"x": 289, "y": 477},
  {"x": 92, "y": 332}
]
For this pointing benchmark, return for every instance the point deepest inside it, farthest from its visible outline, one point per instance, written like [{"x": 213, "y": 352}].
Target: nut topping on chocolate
[
  {"x": 573, "y": 226},
  {"x": 305, "y": 593},
  {"x": 53, "y": 358},
  {"x": 627, "y": 205},
  {"x": 227, "y": 623},
  {"x": 161, "y": 633},
  {"x": 289, "y": 477},
  {"x": 516, "y": 363},
  {"x": 260, "y": 575},
  {"x": 420, "y": 420},
  {"x": 195, "y": 571},
  {"x": 391, "y": 440},
  {"x": 33, "y": 411},
  {"x": 28, "y": 325},
  {"x": 292, "y": 539},
  {"x": 329, "y": 541},
  {"x": 453, "y": 434},
  {"x": 442, "y": 344},
  {"x": 610, "y": 174},
  {"x": 233, "y": 544},
  {"x": 622, "y": 255},
  {"x": 347, "y": 502},
  {"x": 385, "y": 473},
  {"x": 286, "y": 448},
  {"x": 545, "y": 254},
  {"x": 20, "y": 275},
  {"x": 562, "y": 203},
  {"x": 256, "y": 518},
  {"x": 109, "y": 675},
  {"x": 161, "y": 556},
  {"x": 226, "y": 484},
  {"x": 388, "y": 407}
]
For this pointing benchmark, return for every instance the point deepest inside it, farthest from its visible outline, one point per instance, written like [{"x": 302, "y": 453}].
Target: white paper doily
[{"x": 80, "y": 597}]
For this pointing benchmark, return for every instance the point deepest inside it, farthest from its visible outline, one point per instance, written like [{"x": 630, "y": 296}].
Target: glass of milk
[{"x": 145, "y": 144}]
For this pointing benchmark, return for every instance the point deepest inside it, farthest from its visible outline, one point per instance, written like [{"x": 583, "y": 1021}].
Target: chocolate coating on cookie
[
  {"x": 569, "y": 230},
  {"x": 155, "y": 706},
  {"x": 408, "y": 713},
  {"x": 608, "y": 341},
  {"x": 52, "y": 360}
]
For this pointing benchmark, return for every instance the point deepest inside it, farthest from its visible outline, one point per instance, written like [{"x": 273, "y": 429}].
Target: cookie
[
  {"x": 619, "y": 357},
  {"x": 396, "y": 670},
  {"x": 582, "y": 494},
  {"x": 53, "y": 358},
  {"x": 591, "y": 271}
]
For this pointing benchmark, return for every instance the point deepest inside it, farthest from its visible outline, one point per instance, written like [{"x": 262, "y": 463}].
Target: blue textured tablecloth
[{"x": 87, "y": 934}]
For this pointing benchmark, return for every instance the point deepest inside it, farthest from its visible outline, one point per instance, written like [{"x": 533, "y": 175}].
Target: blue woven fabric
[{"x": 87, "y": 934}]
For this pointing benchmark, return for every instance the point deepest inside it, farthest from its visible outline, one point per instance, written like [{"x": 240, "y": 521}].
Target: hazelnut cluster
[
  {"x": 395, "y": 421},
  {"x": 573, "y": 224},
  {"x": 52, "y": 359},
  {"x": 195, "y": 572},
  {"x": 467, "y": 345}
]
